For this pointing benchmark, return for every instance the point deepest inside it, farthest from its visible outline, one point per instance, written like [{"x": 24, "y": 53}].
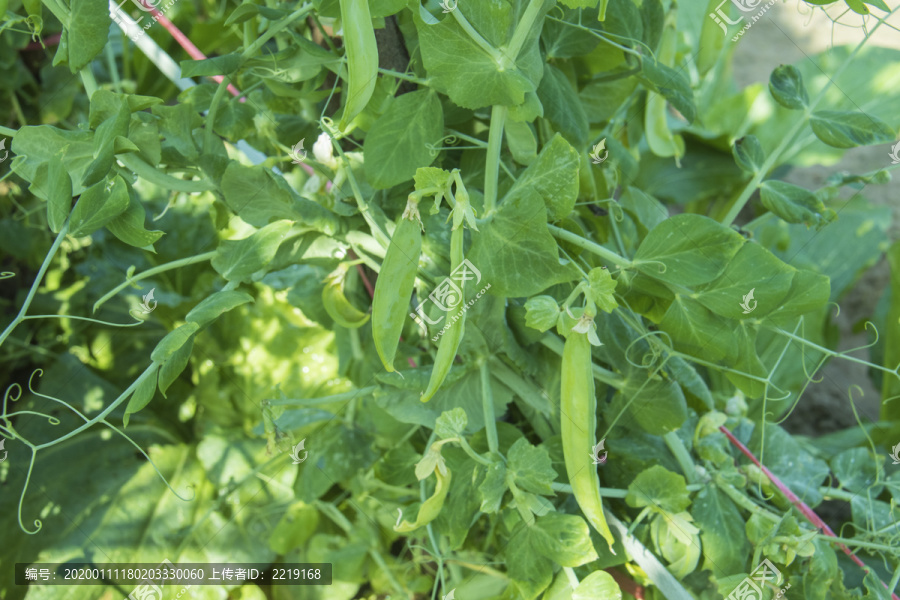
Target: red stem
[
  {"x": 800, "y": 504},
  {"x": 627, "y": 584}
]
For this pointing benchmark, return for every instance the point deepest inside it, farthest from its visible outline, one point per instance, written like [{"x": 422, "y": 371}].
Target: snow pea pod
[
  {"x": 452, "y": 336},
  {"x": 336, "y": 304},
  {"x": 395, "y": 284},
  {"x": 362, "y": 57},
  {"x": 579, "y": 430}
]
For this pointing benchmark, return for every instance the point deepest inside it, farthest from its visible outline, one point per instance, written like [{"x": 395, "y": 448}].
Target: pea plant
[{"x": 530, "y": 317}]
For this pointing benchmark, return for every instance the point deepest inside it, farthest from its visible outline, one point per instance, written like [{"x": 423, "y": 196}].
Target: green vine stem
[
  {"x": 175, "y": 264},
  {"x": 592, "y": 247},
  {"x": 487, "y": 401},
  {"x": 799, "y": 123},
  {"x": 156, "y": 177},
  {"x": 681, "y": 455},
  {"x": 492, "y": 164},
  {"x": 37, "y": 281},
  {"x": 342, "y": 397}
]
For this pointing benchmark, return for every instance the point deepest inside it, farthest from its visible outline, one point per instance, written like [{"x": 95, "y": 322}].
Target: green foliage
[{"x": 614, "y": 265}]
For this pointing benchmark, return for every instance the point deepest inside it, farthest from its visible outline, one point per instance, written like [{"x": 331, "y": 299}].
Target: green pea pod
[
  {"x": 395, "y": 284},
  {"x": 362, "y": 57},
  {"x": 431, "y": 508},
  {"x": 452, "y": 337},
  {"x": 579, "y": 430},
  {"x": 336, "y": 304}
]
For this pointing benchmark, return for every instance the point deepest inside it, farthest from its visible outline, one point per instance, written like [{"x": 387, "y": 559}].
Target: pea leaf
[
  {"x": 493, "y": 488},
  {"x": 554, "y": 175},
  {"x": 97, "y": 206},
  {"x": 602, "y": 287},
  {"x": 795, "y": 204},
  {"x": 476, "y": 81},
  {"x": 722, "y": 532},
  {"x": 542, "y": 312},
  {"x": 515, "y": 252},
  {"x": 142, "y": 395},
  {"x": 693, "y": 249},
  {"x": 844, "y": 129},
  {"x": 673, "y": 85},
  {"x": 36, "y": 145},
  {"x": 530, "y": 467},
  {"x": 562, "y": 106},
  {"x": 237, "y": 260},
  {"x": 53, "y": 184},
  {"x": 129, "y": 226},
  {"x": 216, "y": 305},
  {"x": 657, "y": 405},
  {"x": 174, "y": 365},
  {"x": 697, "y": 331},
  {"x": 598, "y": 584},
  {"x": 258, "y": 197},
  {"x": 786, "y": 86},
  {"x": 397, "y": 144},
  {"x": 451, "y": 423},
  {"x": 660, "y": 489},
  {"x": 225, "y": 64},
  {"x": 791, "y": 463},
  {"x": 748, "y": 154},
  {"x": 173, "y": 341},
  {"x": 88, "y": 31}
]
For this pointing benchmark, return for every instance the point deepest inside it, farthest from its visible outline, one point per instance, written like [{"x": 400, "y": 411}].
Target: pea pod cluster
[
  {"x": 395, "y": 284},
  {"x": 578, "y": 404}
]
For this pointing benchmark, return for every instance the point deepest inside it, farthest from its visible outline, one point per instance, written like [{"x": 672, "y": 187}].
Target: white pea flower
[
  {"x": 324, "y": 151},
  {"x": 586, "y": 325}
]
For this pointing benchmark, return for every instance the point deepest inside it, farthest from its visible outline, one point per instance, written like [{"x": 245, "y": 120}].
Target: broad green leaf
[
  {"x": 602, "y": 289},
  {"x": 722, "y": 533},
  {"x": 398, "y": 143},
  {"x": 786, "y": 86},
  {"x": 562, "y": 107},
  {"x": 129, "y": 226},
  {"x": 98, "y": 205},
  {"x": 172, "y": 341},
  {"x": 451, "y": 423},
  {"x": 225, "y": 64},
  {"x": 791, "y": 463},
  {"x": 598, "y": 584},
  {"x": 672, "y": 84},
  {"x": 678, "y": 542},
  {"x": 698, "y": 331},
  {"x": 476, "y": 81},
  {"x": 174, "y": 365},
  {"x": 809, "y": 291},
  {"x": 177, "y": 124},
  {"x": 461, "y": 506},
  {"x": 657, "y": 405},
  {"x": 529, "y": 570},
  {"x": 514, "y": 250},
  {"x": 296, "y": 526},
  {"x": 431, "y": 177},
  {"x": 237, "y": 260},
  {"x": 647, "y": 210},
  {"x": 258, "y": 197},
  {"x": 88, "y": 30},
  {"x": 561, "y": 40},
  {"x": 521, "y": 141},
  {"x": 564, "y": 539},
  {"x": 142, "y": 395},
  {"x": 530, "y": 467},
  {"x": 53, "y": 184},
  {"x": 660, "y": 489},
  {"x": 339, "y": 454},
  {"x": 690, "y": 380},
  {"x": 554, "y": 175},
  {"x": 624, "y": 19},
  {"x": 748, "y": 154},
  {"x": 693, "y": 249},
  {"x": 856, "y": 470},
  {"x": 795, "y": 204},
  {"x": 752, "y": 270},
  {"x": 542, "y": 312},
  {"x": 844, "y": 129},
  {"x": 602, "y": 99},
  {"x": 493, "y": 488},
  {"x": 216, "y": 305},
  {"x": 36, "y": 145}
]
